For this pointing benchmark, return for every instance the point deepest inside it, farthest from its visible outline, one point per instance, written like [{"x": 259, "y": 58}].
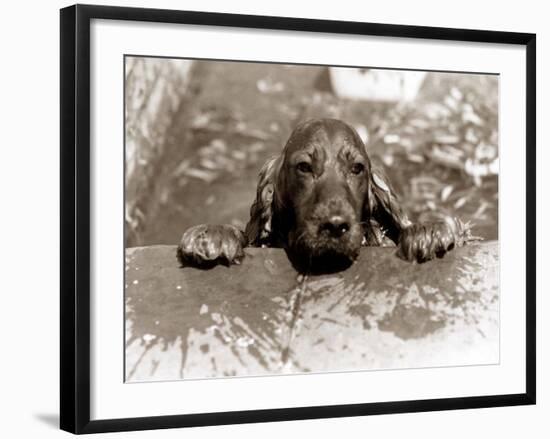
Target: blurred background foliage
[{"x": 440, "y": 148}]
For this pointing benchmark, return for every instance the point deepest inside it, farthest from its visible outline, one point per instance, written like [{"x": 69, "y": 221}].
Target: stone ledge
[{"x": 263, "y": 318}]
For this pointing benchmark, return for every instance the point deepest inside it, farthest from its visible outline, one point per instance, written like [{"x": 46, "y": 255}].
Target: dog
[{"x": 321, "y": 200}]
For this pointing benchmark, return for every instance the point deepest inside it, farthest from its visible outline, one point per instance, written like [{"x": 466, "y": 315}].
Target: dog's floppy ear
[
  {"x": 383, "y": 206},
  {"x": 258, "y": 230}
]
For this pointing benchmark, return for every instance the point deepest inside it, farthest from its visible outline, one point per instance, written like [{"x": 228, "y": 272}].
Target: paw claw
[
  {"x": 209, "y": 245},
  {"x": 423, "y": 242}
]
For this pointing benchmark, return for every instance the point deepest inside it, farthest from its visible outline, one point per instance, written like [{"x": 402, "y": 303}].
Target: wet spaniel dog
[{"x": 321, "y": 200}]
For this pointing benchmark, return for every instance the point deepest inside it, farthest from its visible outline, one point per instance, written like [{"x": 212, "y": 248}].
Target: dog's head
[{"x": 319, "y": 198}]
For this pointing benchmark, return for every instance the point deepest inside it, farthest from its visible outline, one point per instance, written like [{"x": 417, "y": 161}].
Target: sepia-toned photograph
[{"x": 294, "y": 218}]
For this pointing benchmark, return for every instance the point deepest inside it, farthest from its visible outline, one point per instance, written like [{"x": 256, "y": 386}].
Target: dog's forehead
[{"x": 329, "y": 134}]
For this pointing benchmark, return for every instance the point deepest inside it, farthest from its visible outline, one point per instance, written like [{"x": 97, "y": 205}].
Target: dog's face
[
  {"x": 320, "y": 191},
  {"x": 320, "y": 200}
]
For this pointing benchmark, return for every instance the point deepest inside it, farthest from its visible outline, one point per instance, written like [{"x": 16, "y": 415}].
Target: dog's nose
[{"x": 336, "y": 225}]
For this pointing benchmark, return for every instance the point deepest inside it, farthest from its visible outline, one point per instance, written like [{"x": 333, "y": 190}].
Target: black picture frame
[{"x": 75, "y": 217}]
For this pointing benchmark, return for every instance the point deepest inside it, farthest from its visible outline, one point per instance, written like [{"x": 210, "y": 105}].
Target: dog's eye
[
  {"x": 357, "y": 168},
  {"x": 304, "y": 167}
]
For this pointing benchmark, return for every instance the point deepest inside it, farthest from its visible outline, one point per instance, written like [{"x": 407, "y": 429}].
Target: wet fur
[{"x": 293, "y": 207}]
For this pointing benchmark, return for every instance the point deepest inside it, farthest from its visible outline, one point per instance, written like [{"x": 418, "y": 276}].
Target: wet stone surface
[{"x": 263, "y": 318}]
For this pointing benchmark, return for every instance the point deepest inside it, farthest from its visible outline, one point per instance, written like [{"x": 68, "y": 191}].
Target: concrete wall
[
  {"x": 263, "y": 318},
  {"x": 154, "y": 90}
]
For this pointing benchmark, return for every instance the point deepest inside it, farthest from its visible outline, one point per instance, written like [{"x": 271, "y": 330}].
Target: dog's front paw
[
  {"x": 208, "y": 245},
  {"x": 424, "y": 241}
]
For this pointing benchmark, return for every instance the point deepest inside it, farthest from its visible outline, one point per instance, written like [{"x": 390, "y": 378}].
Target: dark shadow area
[
  {"x": 188, "y": 262},
  {"x": 327, "y": 264}
]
